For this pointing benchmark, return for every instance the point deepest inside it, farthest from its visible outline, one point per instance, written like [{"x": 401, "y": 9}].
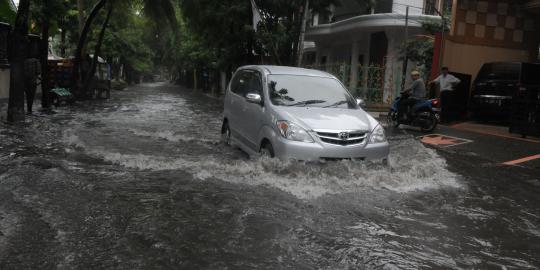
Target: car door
[
  {"x": 252, "y": 113},
  {"x": 235, "y": 105}
]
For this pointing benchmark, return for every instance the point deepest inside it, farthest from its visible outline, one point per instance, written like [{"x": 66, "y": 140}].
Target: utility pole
[
  {"x": 441, "y": 50},
  {"x": 406, "y": 60},
  {"x": 302, "y": 34}
]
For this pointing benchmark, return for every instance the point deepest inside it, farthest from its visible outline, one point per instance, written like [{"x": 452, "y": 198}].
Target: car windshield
[
  {"x": 500, "y": 71},
  {"x": 308, "y": 91}
]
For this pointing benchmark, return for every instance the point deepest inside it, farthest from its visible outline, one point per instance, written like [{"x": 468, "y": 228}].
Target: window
[
  {"x": 500, "y": 71},
  {"x": 237, "y": 84},
  {"x": 306, "y": 91},
  {"x": 430, "y": 7},
  {"x": 247, "y": 82},
  {"x": 384, "y": 6},
  {"x": 255, "y": 84}
]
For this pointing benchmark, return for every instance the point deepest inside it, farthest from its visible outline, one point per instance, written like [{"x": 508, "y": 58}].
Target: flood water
[{"x": 142, "y": 182}]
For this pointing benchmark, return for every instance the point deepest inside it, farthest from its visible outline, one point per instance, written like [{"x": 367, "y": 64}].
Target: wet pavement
[{"x": 142, "y": 182}]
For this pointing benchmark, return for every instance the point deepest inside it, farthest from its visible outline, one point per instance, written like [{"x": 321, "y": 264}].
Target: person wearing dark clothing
[
  {"x": 32, "y": 70},
  {"x": 416, "y": 93}
]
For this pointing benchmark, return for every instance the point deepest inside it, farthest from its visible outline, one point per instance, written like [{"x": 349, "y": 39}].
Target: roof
[
  {"x": 369, "y": 22},
  {"x": 284, "y": 70}
]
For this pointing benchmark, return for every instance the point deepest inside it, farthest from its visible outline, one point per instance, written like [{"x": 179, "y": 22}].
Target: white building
[{"x": 361, "y": 46}]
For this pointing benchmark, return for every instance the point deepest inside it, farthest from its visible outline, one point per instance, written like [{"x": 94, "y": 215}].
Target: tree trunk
[
  {"x": 77, "y": 72},
  {"x": 45, "y": 102},
  {"x": 17, "y": 81},
  {"x": 90, "y": 75},
  {"x": 80, "y": 8}
]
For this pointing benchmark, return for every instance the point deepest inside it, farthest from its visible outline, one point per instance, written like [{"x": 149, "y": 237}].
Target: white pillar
[
  {"x": 317, "y": 55},
  {"x": 354, "y": 66}
]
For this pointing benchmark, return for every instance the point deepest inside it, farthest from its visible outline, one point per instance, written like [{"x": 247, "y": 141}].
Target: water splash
[{"x": 412, "y": 167}]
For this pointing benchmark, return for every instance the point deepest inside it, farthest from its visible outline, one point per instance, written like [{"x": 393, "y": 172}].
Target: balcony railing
[{"x": 371, "y": 84}]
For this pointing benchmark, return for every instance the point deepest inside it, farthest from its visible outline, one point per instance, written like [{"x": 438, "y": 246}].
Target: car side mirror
[
  {"x": 361, "y": 102},
  {"x": 254, "y": 98}
]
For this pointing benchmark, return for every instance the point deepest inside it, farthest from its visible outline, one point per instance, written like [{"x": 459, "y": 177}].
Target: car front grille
[{"x": 337, "y": 138}]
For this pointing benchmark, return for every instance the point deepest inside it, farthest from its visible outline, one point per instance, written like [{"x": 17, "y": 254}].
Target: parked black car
[
  {"x": 526, "y": 102},
  {"x": 493, "y": 90}
]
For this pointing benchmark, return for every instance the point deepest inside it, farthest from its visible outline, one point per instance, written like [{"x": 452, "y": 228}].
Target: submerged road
[{"x": 142, "y": 182}]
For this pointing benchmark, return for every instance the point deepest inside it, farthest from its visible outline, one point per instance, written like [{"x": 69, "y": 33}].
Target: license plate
[{"x": 494, "y": 101}]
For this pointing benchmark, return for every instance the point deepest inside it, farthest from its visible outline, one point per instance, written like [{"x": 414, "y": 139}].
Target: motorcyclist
[{"x": 411, "y": 96}]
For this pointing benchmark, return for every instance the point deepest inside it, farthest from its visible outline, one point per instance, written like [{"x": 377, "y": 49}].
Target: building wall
[
  {"x": 468, "y": 59},
  {"x": 489, "y": 31},
  {"x": 348, "y": 8}
]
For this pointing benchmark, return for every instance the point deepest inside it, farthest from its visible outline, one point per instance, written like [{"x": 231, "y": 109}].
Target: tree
[
  {"x": 420, "y": 49},
  {"x": 277, "y": 35},
  {"x": 17, "y": 81},
  {"x": 77, "y": 70},
  {"x": 7, "y": 11},
  {"x": 164, "y": 9},
  {"x": 97, "y": 51}
]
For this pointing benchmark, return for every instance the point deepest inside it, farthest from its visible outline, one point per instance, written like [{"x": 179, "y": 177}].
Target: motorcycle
[{"x": 425, "y": 114}]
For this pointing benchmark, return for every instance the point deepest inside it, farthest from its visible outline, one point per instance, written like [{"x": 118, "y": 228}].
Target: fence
[{"x": 376, "y": 84}]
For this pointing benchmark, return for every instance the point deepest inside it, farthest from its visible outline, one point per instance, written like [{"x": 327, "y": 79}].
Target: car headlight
[
  {"x": 293, "y": 132},
  {"x": 377, "y": 135}
]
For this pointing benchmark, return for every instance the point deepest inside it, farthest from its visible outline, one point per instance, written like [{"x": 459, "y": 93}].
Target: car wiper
[
  {"x": 307, "y": 102},
  {"x": 337, "y": 104}
]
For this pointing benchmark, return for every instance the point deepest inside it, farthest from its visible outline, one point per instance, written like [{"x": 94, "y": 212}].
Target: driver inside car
[{"x": 411, "y": 96}]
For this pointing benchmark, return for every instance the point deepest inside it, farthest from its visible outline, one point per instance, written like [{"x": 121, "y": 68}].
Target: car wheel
[
  {"x": 267, "y": 150},
  {"x": 226, "y": 134}
]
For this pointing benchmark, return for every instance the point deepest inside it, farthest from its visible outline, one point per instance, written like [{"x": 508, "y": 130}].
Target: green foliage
[
  {"x": 127, "y": 39},
  {"x": 419, "y": 50},
  {"x": 433, "y": 26},
  {"x": 224, "y": 30},
  {"x": 7, "y": 12},
  {"x": 51, "y": 10}
]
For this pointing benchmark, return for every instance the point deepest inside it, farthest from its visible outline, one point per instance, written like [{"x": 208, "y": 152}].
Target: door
[
  {"x": 253, "y": 114},
  {"x": 235, "y": 104}
]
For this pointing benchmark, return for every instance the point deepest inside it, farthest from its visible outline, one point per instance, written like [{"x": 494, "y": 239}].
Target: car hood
[{"x": 312, "y": 118}]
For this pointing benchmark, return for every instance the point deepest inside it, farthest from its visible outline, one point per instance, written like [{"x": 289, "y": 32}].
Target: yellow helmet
[{"x": 415, "y": 73}]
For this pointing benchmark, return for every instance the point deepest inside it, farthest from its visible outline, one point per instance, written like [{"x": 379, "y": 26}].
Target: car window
[
  {"x": 247, "y": 82},
  {"x": 499, "y": 71},
  {"x": 239, "y": 82},
  {"x": 255, "y": 84},
  {"x": 308, "y": 91}
]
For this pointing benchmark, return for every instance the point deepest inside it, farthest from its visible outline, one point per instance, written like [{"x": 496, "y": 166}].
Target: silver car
[{"x": 300, "y": 114}]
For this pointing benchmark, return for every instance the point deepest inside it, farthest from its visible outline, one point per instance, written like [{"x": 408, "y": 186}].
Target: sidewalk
[{"x": 493, "y": 130}]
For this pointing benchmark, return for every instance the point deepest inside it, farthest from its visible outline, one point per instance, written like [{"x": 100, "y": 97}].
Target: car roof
[{"x": 284, "y": 70}]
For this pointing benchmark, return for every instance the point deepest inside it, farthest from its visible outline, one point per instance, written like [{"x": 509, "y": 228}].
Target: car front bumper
[{"x": 287, "y": 149}]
